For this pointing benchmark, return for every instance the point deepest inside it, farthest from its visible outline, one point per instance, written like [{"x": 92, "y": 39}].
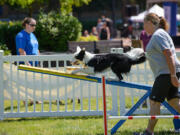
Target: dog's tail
[{"x": 138, "y": 60}]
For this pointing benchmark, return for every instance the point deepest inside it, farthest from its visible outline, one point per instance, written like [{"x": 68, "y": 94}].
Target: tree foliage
[
  {"x": 22, "y": 3},
  {"x": 66, "y": 5},
  {"x": 54, "y": 31}
]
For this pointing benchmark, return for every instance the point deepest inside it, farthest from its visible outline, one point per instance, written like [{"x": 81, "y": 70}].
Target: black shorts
[{"x": 163, "y": 88}]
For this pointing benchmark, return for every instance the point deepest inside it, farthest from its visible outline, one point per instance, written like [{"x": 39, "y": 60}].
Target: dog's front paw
[{"x": 73, "y": 72}]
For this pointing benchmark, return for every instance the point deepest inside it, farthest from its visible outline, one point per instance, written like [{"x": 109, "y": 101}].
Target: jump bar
[{"x": 145, "y": 117}]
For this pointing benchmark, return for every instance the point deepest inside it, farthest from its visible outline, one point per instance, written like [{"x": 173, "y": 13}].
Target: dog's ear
[{"x": 78, "y": 49}]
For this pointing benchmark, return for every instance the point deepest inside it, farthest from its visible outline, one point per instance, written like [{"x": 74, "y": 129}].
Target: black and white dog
[{"x": 118, "y": 63}]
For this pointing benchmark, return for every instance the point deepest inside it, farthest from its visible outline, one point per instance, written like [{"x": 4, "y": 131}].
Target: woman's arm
[
  {"x": 21, "y": 51},
  {"x": 108, "y": 33},
  {"x": 171, "y": 64}
]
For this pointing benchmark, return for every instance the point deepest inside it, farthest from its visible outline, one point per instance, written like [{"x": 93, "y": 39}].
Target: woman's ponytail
[{"x": 163, "y": 24}]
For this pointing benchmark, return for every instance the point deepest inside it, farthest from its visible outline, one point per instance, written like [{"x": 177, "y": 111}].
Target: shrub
[
  {"x": 54, "y": 31},
  {"x": 5, "y": 49},
  {"x": 8, "y": 31}
]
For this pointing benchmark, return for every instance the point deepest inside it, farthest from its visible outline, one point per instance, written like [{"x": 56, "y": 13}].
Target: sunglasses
[{"x": 32, "y": 25}]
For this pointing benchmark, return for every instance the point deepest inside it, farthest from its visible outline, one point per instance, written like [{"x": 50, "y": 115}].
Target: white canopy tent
[{"x": 154, "y": 9}]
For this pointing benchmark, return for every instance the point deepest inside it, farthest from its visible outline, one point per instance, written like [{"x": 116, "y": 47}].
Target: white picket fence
[{"x": 17, "y": 86}]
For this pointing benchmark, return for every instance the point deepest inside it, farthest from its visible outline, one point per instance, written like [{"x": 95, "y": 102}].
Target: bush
[
  {"x": 8, "y": 31},
  {"x": 5, "y": 49},
  {"x": 54, "y": 31}
]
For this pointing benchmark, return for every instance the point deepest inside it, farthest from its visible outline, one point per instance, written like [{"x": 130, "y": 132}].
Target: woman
[
  {"x": 104, "y": 32},
  {"x": 164, "y": 65},
  {"x": 26, "y": 41}
]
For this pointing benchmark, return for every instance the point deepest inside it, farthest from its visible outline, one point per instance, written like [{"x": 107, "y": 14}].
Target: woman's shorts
[{"x": 163, "y": 88}]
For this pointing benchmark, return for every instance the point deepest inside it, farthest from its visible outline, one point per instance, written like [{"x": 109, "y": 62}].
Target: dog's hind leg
[{"x": 116, "y": 70}]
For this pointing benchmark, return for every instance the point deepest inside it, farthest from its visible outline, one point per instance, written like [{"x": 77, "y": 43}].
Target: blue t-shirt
[
  {"x": 28, "y": 42},
  {"x": 160, "y": 41}
]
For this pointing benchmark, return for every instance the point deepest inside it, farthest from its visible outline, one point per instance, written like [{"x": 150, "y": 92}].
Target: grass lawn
[{"x": 75, "y": 125}]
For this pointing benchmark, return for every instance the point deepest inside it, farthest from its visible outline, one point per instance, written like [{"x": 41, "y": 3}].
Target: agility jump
[
  {"x": 176, "y": 115},
  {"x": 145, "y": 117},
  {"x": 115, "y": 83}
]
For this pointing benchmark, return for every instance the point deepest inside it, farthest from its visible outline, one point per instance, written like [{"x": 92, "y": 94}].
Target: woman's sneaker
[{"x": 144, "y": 133}]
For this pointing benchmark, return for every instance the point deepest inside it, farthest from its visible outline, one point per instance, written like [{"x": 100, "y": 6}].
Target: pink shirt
[{"x": 145, "y": 39}]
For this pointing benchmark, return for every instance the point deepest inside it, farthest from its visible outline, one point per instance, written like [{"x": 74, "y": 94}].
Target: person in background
[
  {"x": 99, "y": 25},
  {"x": 104, "y": 32},
  {"x": 144, "y": 37},
  {"x": 94, "y": 31},
  {"x": 26, "y": 42},
  {"x": 109, "y": 23},
  {"x": 164, "y": 65},
  {"x": 103, "y": 18},
  {"x": 86, "y": 33}
]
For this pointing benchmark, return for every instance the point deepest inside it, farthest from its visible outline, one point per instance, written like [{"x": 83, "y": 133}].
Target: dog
[{"x": 97, "y": 63}]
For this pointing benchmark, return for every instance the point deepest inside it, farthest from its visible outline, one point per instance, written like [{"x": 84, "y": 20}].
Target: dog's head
[
  {"x": 136, "y": 52},
  {"x": 78, "y": 56}
]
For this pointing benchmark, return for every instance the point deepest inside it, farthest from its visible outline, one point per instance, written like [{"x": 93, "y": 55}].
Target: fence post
[
  {"x": 114, "y": 101},
  {"x": 1, "y": 86}
]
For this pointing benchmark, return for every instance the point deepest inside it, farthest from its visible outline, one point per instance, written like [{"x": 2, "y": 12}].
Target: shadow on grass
[
  {"x": 62, "y": 103},
  {"x": 53, "y": 118}
]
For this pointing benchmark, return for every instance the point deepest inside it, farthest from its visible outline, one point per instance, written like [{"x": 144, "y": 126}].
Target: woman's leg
[
  {"x": 154, "y": 110},
  {"x": 175, "y": 103}
]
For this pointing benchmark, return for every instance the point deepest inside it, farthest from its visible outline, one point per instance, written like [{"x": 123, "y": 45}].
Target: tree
[
  {"x": 28, "y": 4},
  {"x": 64, "y": 5}
]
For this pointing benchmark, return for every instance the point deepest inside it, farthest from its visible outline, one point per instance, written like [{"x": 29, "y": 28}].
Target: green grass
[{"x": 75, "y": 125}]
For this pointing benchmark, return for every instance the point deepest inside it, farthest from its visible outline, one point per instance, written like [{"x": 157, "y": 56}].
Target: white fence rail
[{"x": 58, "y": 95}]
